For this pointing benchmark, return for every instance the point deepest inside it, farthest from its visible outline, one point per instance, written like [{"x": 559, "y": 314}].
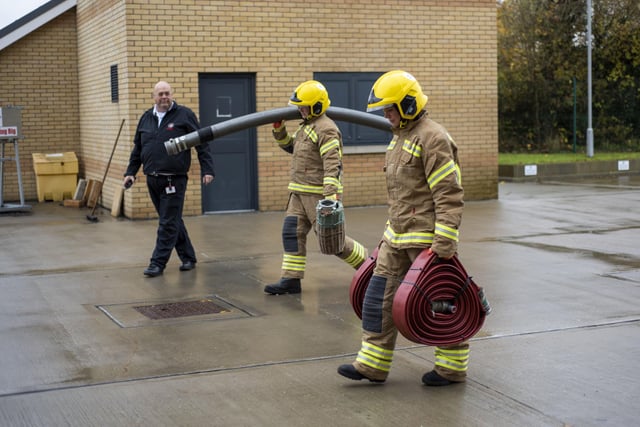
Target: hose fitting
[{"x": 443, "y": 307}]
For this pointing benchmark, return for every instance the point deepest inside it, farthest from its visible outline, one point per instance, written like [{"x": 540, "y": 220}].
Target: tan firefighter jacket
[
  {"x": 424, "y": 188},
  {"x": 316, "y": 167}
]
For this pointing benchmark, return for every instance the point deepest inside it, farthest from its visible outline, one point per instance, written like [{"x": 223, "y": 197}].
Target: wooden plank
[
  {"x": 116, "y": 206},
  {"x": 73, "y": 203},
  {"x": 94, "y": 195},
  {"x": 87, "y": 191}
]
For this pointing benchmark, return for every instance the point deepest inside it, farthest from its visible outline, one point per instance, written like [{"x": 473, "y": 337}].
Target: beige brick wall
[
  {"x": 39, "y": 73},
  {"x": 450, "y": 46},
  {"x": 102, "y": 42}
]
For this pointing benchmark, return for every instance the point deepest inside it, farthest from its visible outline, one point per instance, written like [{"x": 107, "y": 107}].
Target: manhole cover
[
  {"x": 180, "y": 309},
  {"x": 198, "y": 309}
]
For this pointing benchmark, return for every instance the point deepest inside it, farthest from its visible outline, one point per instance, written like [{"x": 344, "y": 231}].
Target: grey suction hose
[{"x": 207, "y": 134}]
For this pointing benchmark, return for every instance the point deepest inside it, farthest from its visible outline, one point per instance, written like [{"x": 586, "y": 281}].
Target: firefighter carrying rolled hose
[
  {"x": 316, "y": 175},
  {"x": 425, "y": 199}
]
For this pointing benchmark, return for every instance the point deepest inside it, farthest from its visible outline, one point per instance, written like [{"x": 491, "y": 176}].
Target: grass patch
[{"x": 539, "y": 158}]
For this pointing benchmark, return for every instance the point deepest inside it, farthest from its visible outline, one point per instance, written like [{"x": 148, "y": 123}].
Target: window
[{"x": 351, "y": 90}]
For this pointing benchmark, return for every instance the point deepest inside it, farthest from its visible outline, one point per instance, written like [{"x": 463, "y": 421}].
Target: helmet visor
[
  {"x": 374, "y": 103},
  {"x": 378, "y": 107}
]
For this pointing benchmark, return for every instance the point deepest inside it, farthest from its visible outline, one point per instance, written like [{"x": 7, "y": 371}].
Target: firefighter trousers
[
  {"x": 380, "y": 333},
  {"x": 300, "y": 219}
]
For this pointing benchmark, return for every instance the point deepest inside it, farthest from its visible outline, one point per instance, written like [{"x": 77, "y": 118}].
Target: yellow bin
[{"x": 56, "y": 175}]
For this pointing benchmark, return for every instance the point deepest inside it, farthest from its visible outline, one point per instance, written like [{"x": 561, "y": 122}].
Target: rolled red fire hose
[
  {"x": 436, "y": 304},
  {"x": 360, "y": 282}
]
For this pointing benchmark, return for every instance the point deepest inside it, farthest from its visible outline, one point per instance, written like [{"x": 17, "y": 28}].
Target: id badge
[{"x": 170, "y": 189}]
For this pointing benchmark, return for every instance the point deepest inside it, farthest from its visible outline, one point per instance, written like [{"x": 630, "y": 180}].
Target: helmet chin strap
[{"x": 405, "y": 122}]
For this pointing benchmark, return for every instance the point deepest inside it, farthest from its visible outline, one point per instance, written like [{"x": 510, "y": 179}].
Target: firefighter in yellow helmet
[
  {"x": 316, "y": 174},
  {"x": 425, "y": 199}
]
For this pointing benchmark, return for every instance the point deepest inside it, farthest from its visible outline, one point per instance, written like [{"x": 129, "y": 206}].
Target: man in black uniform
[{"x": 167, "y": 175}]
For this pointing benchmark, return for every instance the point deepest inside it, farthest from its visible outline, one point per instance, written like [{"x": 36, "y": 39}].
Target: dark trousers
[{"x": 171, "y": 230}]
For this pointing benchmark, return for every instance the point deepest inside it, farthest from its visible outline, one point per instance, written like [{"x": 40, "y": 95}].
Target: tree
[
  {"x": 616, "y": 30},
  {"x": 542, "y": 47}
]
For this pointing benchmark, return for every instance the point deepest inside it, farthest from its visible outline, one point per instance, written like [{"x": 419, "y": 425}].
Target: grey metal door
[
  {"x": 351, "y": 90},
  {"x": 222, "y": 97}
]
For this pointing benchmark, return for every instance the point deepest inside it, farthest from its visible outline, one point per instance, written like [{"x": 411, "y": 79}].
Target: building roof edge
[{"x": 33, "y": 20}]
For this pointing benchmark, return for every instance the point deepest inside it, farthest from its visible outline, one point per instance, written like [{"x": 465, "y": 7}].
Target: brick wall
[
  {"x": 102, "y": 42},
  {"x": 450, "y": 46},
  {"x": 39, "y": 73}
]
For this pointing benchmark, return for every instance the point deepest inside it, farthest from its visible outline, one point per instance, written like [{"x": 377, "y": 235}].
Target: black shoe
[
  {"x": 434, "y": 379},
  {"x": 187, "y": 265},
  {"x": 284, "y": 286},
  {"x": 153, "y": 271},
  {"x": 351, "y": 372}
]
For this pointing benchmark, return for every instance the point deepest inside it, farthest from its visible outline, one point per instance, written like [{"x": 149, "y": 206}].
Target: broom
[{"x": 91, "y": 217}]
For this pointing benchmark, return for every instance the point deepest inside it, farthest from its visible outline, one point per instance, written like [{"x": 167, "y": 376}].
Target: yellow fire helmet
[
  {"x": 311, "y": 94},
  {"x": 397, "y": 88}
]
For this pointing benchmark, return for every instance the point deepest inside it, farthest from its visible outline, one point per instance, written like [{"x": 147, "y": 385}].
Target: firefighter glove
[{"x": 280, "y": 132}]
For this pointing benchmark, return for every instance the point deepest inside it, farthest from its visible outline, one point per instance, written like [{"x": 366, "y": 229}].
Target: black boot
[
  {"x": 153, "y": 270},
  {"x": 284, "y": 286},
  {"x": 433, "y": 379},
  {"x": 352, "y": 373}
]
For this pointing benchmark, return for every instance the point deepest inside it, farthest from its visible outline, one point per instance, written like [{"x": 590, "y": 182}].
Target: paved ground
[{"x": 560, "y": 263}]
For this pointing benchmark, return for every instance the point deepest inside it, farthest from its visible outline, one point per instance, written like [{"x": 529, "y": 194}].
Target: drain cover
[
  {"x": 149, "y": 313},
  {"x": 180, "y": 309}
]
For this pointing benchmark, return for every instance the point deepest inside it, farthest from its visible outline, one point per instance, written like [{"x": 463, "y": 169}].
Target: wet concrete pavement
[{"x": 560, "y": 263}]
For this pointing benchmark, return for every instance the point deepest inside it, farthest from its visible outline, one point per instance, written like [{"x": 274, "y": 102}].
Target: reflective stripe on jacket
[
  {"x": 316, "y": 166},
  {"x": 424, "y": 187}
]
